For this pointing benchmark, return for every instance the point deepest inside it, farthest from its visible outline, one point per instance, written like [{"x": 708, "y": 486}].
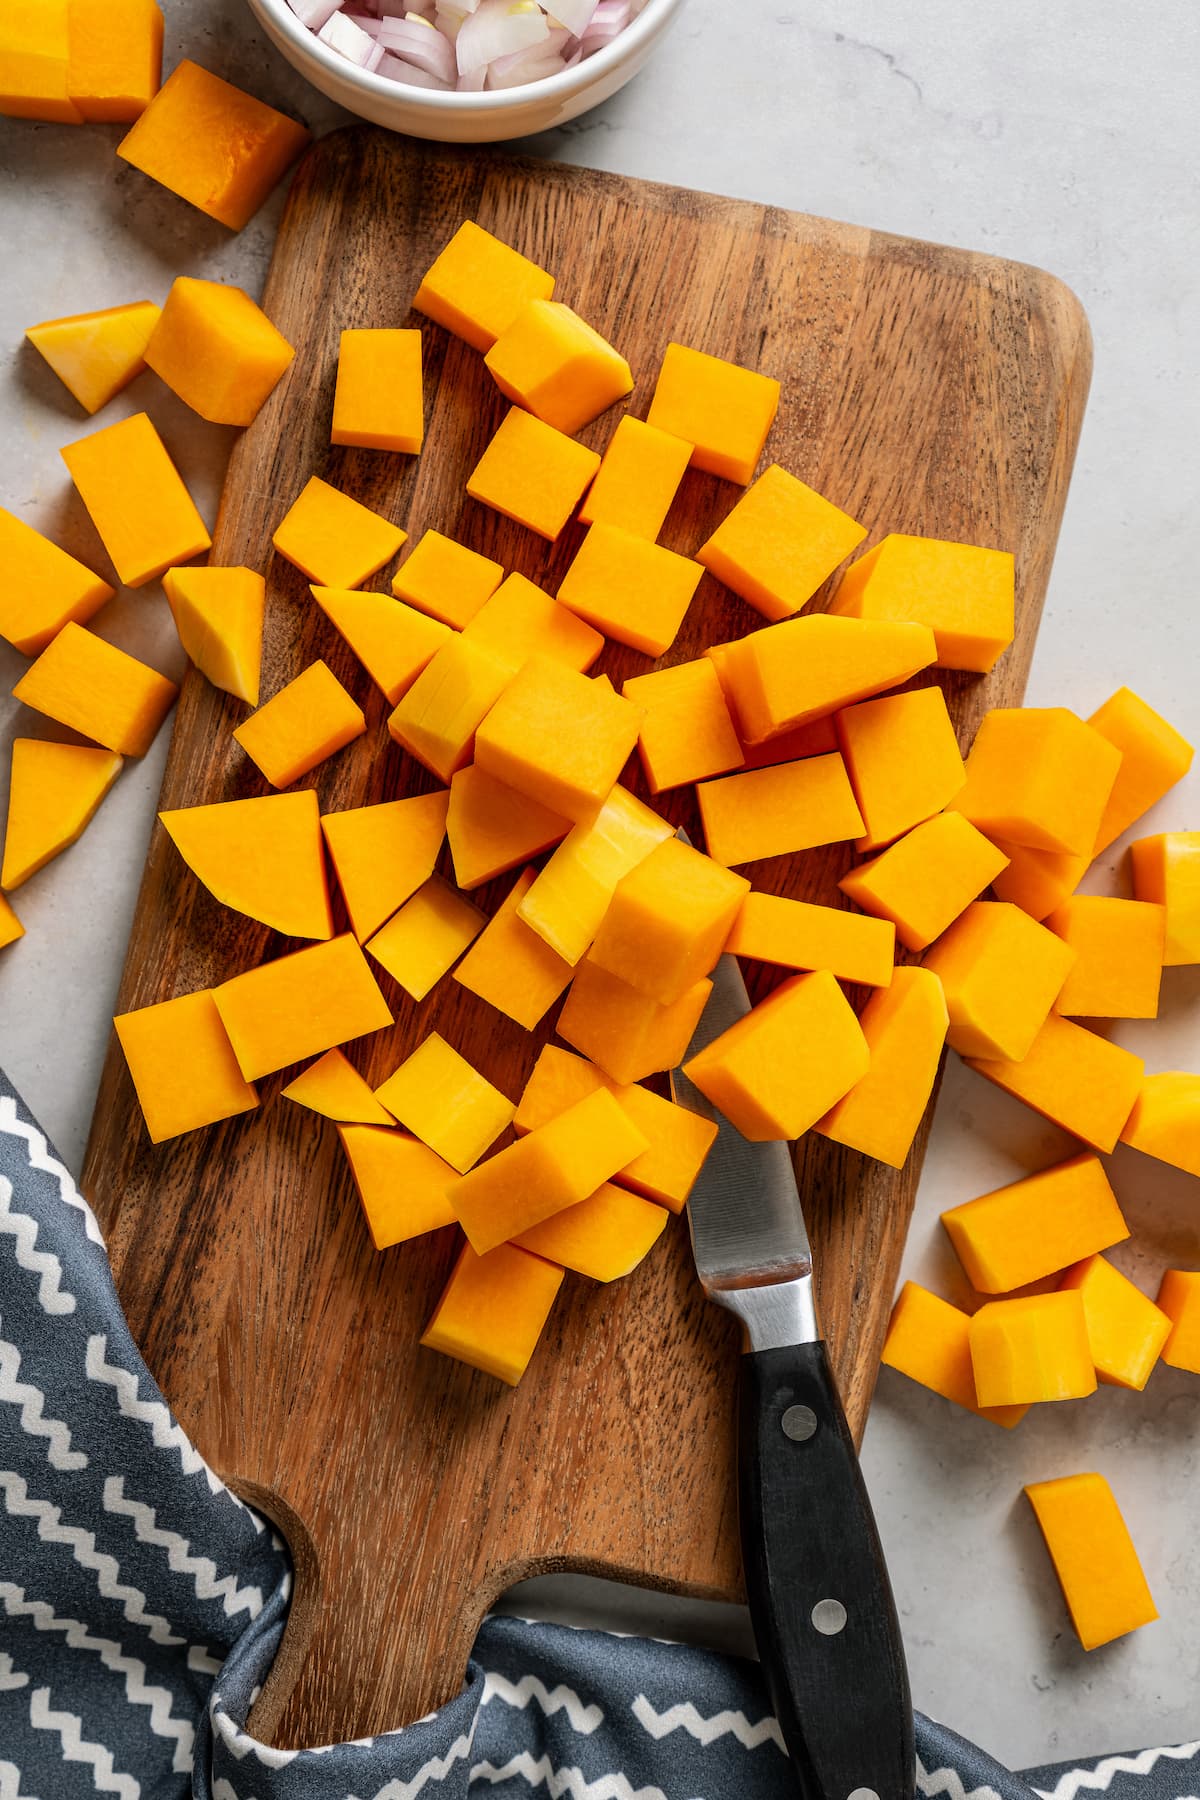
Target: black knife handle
[{"x": 820, "y": 1600}]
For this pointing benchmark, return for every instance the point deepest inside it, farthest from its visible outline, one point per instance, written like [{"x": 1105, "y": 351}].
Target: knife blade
[{"x": 816, "y": 1581}]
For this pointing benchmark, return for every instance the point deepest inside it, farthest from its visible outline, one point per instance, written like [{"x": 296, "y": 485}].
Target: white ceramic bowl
[{"x": 467, "y": 118}]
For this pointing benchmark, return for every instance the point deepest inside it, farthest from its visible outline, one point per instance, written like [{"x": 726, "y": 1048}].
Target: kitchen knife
[{"x": 820, "y": 1600}]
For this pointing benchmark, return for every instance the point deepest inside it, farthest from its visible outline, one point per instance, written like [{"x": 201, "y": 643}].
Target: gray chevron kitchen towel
[{"x": 141, "y": 1605}]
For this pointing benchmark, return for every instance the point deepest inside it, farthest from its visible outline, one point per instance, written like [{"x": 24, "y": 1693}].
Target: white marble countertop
[{"x": 1065, "y": 136}]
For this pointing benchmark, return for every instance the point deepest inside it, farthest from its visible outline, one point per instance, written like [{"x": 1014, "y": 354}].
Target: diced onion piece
[
  {"x": 350, "y": 41},
  {"x": 314, "y": 13},
  {"x": 418, "y": 42},
  {"x": 520, "y": 69},
  {"x": 364, "y": 21},
  {"x": 474, "y": 82},
  {"x": 499, "y": 28},
  {"x": 574, "y": 15},
  {"x": 409, "y": 74}
]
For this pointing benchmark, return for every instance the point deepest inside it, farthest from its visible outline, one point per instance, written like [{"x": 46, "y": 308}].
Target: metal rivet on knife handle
[
  {"x": 799, "y": 1423},
  {"x": 829, "y": 1616},
  {"x": 863, "y": 1794}
]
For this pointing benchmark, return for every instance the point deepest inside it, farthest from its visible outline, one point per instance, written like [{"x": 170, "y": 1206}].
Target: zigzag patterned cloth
[{"x": 141, "y": 1606}]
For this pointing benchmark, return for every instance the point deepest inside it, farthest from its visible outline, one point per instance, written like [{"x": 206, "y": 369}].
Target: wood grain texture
[{"x": 924, "y": 389}]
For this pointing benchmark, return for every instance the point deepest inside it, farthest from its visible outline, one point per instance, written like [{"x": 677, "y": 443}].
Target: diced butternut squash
[
  {"x": 686, "y": 733},
  {"x": 792, "y": 674},
  {"x": 1126, "y": 1331},
  {"x": 1165, "y": 1120},
  {"x": 383, "y": 853},
  {"x": 630, "y": 1035},
  {"x": 571, "y": 895},
  {"x": 771, "y": 812},
  {"x": 1179, "y": 1298},
  {"x": 96, "y": 354},
  {"x": 797, "y": 935},
  {"x": 668, "y": 920},
  {"x": 212, "y": 144},
  {"x": 286, "y": 1011},
  {"x": 553, "y": 1167},
  {"x": 438, "y": 718},
  {"x": 54, "y": 791},
  {"x": 219, "y": 614},
  {"x": 1154, "y": 756},
  {"x": 532, "y": 473},
  {"x": 492, "y": 828},
  {"x": 114, "y": 66},
  {"x": 493, "y": 1310},
  {"x": 217, "y": 350},
  {"x": 42, "y": 588},
  {"x": 98, "y": 690},
  {"x": 11, "y": 927},
  {"x": 1040, "y": 776},
  {"x": 510, "y": 966},
  {"x": 631, "y": 589},
  {"x": 306, "y": 721},
  {"x": 1038, "y": 881},
  {"x": 558, "y": 736},
  {"x": 1093, "y": 1556},
  {"x": 555, "y": 365},
  {"x": 905, "y": 1027},
  {"x": 963, "y": 593},
  {"x": 779, "y": 543},
  {"x": 603, "y": 1237},
  {"x": 335, "y": 540},
  {"x": 262, "y": 857},
  {"x": 403, "y": 1186},
  {"x": 902, "y": 758},
  {"x": 638, "y": 478},
  {"x": 929, "y": 1341},
  {"x": 722, "y": 410},
  {"x": 780, "y": 1067},
  {"x": 447, "y": 1103},
  {"x": 522, "y": 620},
  {"x": 1036, "y": 1226},
  {"x": 145, "y": 516},
  {"x": 926, "y": 880},
  {"x": 477, "y": 285},
  {"x": 393, "y": 642},
  {"x": 423, "y": 941},
  {"x": 333, "y": 1087},
  {"x": 1073, "y": 1078},
  {"x": 1166, "y": 872},
  {"x": 1118, "y": 948},
  {"x": 35, "y": 61},
  {"x": 814, "y": 739},
  {"x": 182, "y": 1065},
  {"x": 445, "y": 579},
  {"x": 378, "y": 401},
  {"x": 1031, "y": 1349},
  {"x": 1001, "y": 972}
]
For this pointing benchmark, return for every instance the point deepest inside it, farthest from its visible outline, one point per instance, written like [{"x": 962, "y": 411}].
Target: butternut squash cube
[
  {"x": 336, "y": 541},
  {"x": 805, "y": 667},
  {"x": 11, "y": 927},
  {"x": 212, "y": 144},
  {"x": 1040, "y": 776},
  {"x": 477, "y": 285},
  {"x": 771, "y": 812},
  {"x": 1126, "y": 1331},
  {"x": 668, "y": 920},
  {"x": 1030, "y": 1349},
  {"x": 114, "y": 65},
  {"x": 383, "y": 853},
  {"x": 492, "y": 828},
  {"x": 1036, "y": 1226},
  {"x": 926, "y": 880},
  {"x": 1179, "y": 1298},
  {"x": 34, "y": 62},
  {"x": 98, "y": 690},
  {"x": 686, "y": 732},
  {"x": 521, "y": 620},
  {"x": 1165, "y": 1120},
  {"x": 145, "y": 516},
  {"x": 556, "y": 1166},
  {"x": 558, "y": 736},
  {"x": 182, "y": 1065},
  {"x": 286, "y": 1011},
  {"x": 378, "y": 401},
  {"x": 965, "y": 595},
  {"x": 436, "y": 721},
  {"x": 905, "y": 1028},
  {"x": 722, "y": 410},
  {"x": 422, "y": 942},
  {"x": 1038, "y": 881},
  {"x": 902, "y": 758},
  {"x": 306, "y": 721},
  {"x": 603, "y": 1237},
  {"x": 632, "y": 589},
  {"x": 929, "y": 1341},
  {"x": 261, "y": 857},
  {"x": 493, "y": 1310},
  {"x": 1118, "y": 946},
  {"x": 42, "y": 588},
  {"x": 447, "y": 1103},
  {"x": 780, "y": 542},
  {"x": 219, "y": 614},
  {"x": 333, "y": 1087},
  {"x": 1154, "y": 756},
  {"x": 797, "y": 935},
  {"x": 557, "y": 367},
  {"x": 54, "y": 791},
  {"x": 572, "y": 894},
  {"x": 403, "y": 1186},
  {"x": 96, "y": 354},
  {"x": 1001, "y": 972},
  {"x": 217, "y": 350},
  {"x": 1166, "y": 872},
  {"x": 1073, "y": 1078},
  {"x": 532, "y": 474},
  {"x": 445, "y": 579},
  {"x": 510, "y": 966},
  {"x": 630, "y": 1035},
  {"x": 393, "y": 642},
  {"x": 780, "y": 1067},
  {"x": 816, "y": 738},
  {"x": 1093, "y": 1556},
  {"x": 638, "y": 478}
]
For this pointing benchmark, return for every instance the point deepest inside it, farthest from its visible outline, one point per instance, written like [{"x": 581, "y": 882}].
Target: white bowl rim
[{"x": 547, "y": 87}]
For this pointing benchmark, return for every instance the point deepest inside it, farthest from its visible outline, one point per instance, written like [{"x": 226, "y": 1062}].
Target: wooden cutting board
[{"x": 925, "y": 390}]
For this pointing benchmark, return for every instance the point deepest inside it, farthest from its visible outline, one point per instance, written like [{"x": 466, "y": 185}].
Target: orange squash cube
[
  {"x": 1001, "y": 972},
  {"x": 145, "y": 516},
  {"x": 638, "y": 478},
  {"x": 306, "y": 721},
  {"x": 333, "y": 1087},
  {"x": 686, "y": 732},
  {"x": 532, "y": 473},
  {"x": 445, "y": 579},
  {"x": 1165, "y": 1120},
  {"x": 604, "y": 1237},
  {"x": 623, "y": 1030},
  {"x": 334, "y": 540},
  {"x": 447, "y": 1103},
  {"x": 1038, "y": 881},
  {"x": 286, "y": 1011},
  {"x": 557, "y": 367},
  {"x": 805, "y": 667},
  {"x": 510, "y": 966},
  {"x": 378, "y": 401},
  {"x": 1031, "y": 1349},
  {"x": 98, "y": 691},
  {"x": 493, "y": 1310},
  {"x": 96, "y": 354},
  {"x": 403, "y": 1186},
  {"x": 926, "y": 880},
  {"x": 261, "y": 857},
  {"x": 902, "y": 758},
  {"x": 42, "y": 588},
  {"x": 219, "y": 614},
  {"x": 217, "y": 350},
  {"x": 797, "y": 935},
  {"x": 771, "y": 812},
  {"x": 929, "y": 1341},
  {"x": 492, "y": 828},
  {"x": 780, "y": 542},
  {"x": 631, "y": 589},
  {"x": 477, "y": 285},
  {"x": 1073, "y": 1078},
  {"x": 393, "y": 642},
  {"x": 905, "y": 1027},
  {"x": 965, "y": 595},
  {"x": 11, "y": 927},
  {"x": 114, "y": 62},
  {"x": 722, "y": 410},
  {"x": 522, "y": 620},
  {"x": 668, "y": 920},
  {"x": 571, "y": 895},
  {"x": 423, "y": 940},
  {"x": 383, "y": 853},
  {"x": 1166, "y": 872},
  {"x": 1040, "y": 776},
  {"x": 816, "y": 738},
  {"x": 1126, "y": 1331},
  {"x": 35, "y": 62},
  {"x": 53, "y": 793},
  {"x": 780, "y": 1067},
  {"x": 1036, "y": 1226},
  {"x": 182, "y": 1065},
  {"x": 1093, "y": 1556},
  {"x": 1179, "y": 1298},
  {"x": 1154, "y": 756},
  {"x": 558, "y": 736},
  {"x": 1118, "y": 946},
  {"x": 437, "y": 719}
]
